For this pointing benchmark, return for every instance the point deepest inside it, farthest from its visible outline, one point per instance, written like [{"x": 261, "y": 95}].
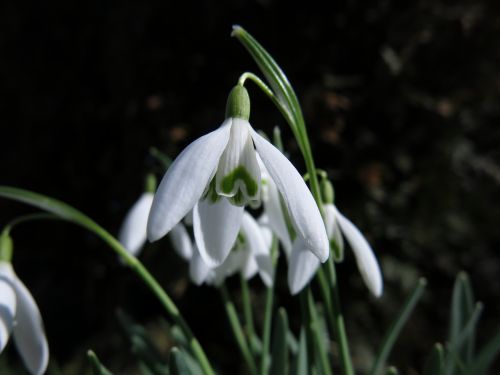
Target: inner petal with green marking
[{"x": 238, "y": 173}]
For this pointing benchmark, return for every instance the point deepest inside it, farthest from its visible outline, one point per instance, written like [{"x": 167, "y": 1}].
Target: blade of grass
[
  {"x": 434, "y": 365},
  {"x": 486, "y": 356},
  {"x": 395, "y": 329},
  {"x": 97, "y": 367},
  {"x": 237, "y": 330},
  {"x": 279, "y": 364}
]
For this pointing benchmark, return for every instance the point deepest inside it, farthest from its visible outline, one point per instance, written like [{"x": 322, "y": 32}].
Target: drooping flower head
[
  {"x": 19, "y": 315},
  {"x": 132, "y": 234},
  {"x": 218, "y": 174},
  {"x": 302, "y": 266}
]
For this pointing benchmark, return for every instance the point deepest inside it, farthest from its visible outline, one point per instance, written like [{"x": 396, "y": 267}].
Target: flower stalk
[
  {"x": 285, "y": 99},
  {"x": 68, "y": 213}
]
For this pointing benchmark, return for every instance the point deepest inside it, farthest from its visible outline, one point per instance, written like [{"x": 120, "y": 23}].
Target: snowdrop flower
[
  {"x": 132, "y": 233},
  {"x": 218, "y": 174},
  {"x": 19, "y": 316},
  {"x": 365, "y": 257},
  {"x": 250, "y": 255},
  {"x": 303, "y": 267},
  {"x": 274, "y": 216}
]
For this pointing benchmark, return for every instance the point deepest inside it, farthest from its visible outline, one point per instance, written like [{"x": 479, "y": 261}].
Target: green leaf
[
  {"x": 279, "y": 364},
  {"x": 293, "y": 343},
  {"x": 395, "y": 329},
  {"x": 462, "y": 308},
  {"x": 301, "y": 363},
  {"x": 177, "y": 364},
  {"x": 68, "y": 213},
  {"x": 486, "y": 356},
  {"x": 434, "y": 365},
  {"x": 392, "y": 371},
  {"x": 456, "y": 357},
  {"x": 141, "y": 345},
  {"x": 273, "y": 73},
  {"x": 97, "y": 367}
]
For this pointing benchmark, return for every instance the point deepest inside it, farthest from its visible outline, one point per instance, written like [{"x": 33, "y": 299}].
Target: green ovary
[{"x": 239, "y": 173}]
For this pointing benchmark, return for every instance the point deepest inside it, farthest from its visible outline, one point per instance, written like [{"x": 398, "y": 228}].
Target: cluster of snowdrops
[{"x": 231, "y": 203}]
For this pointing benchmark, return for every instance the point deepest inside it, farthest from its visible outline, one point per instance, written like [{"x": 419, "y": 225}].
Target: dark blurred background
[{"x": 402, "y": 105}]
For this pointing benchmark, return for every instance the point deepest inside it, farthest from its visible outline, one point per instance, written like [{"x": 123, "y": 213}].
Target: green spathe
[
  {"x": 239, "y": 173},
  {"x": 238, "y": 103},
  {"x": 5, "y": 247}
]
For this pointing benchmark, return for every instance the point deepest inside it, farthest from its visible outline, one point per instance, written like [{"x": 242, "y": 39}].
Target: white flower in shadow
[{"x": 20, "y": 317}]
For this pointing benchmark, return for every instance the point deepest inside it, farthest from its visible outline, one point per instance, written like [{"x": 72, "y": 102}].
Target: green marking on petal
[
  {"x": 239, "y": 173},
  {"x": 238, "y": 199},
  {"x": 211, "y": 193},
  {"x": 338, "y": 253}
]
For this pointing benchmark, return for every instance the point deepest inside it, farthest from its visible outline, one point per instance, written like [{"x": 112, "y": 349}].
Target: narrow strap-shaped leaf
[
  {"x": 486, "y": 356},
  {"x": 293, "y": 343},
  {"x": 237, "y": 329},
  {"x": 300, "y": 364},
  {"x": 462, "y": 307},
  {"x": 265, "y": 358},
  {"x": 397, "y": 326},
  {"x": 142, "y": 346},
  {"x": 97, "y": 367},
  {"x": 454, "y": 348},
  {"x": 177, "y": 363},
  {"x": 279, "y": 364},
  {"x": 469, "y": 305},
  {"x": 273, "y": 73},
  {"x": 434, "y": 365}
]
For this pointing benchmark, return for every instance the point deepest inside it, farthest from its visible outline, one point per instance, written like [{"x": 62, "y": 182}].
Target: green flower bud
[
  {"x": 327, "y": 193},
  {"x": 150, "y": 183},
  {"x": 5, "y": 247},
  {"x": 238, "y": 103}
]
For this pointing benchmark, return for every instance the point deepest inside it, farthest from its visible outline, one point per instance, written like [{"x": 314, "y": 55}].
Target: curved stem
[
  {"x": 268, "y": 315},
  {"x": 337, "y": 320},
  {"x": 237, "y": 330},
  {"x": 71, "y": 214},
  {"x": 247, "y": 309},
  {"x": 270, "y": 94},
  {"x": 28, "y": 218}
]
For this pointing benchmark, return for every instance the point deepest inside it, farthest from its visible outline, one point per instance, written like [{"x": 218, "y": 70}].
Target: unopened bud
[
  {"x": 150, "y": 183},
  {"x": 238, "y": 103},
  {"x": 5, "y": 247},
  {"x": 327, "y": 192}
]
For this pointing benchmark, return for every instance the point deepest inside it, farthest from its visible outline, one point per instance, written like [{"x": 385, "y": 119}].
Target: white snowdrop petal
[
  {"x": 7, "y": 310},
  {"x": 181, "y": 241},
  {"x": 302, "y": 266},
  {"x": 132, "y": 234},
  {"x": 233, "y": 263},
  {"x": 216, "y": 226},
  {"x": 28, "y": 333},
  {"x": 365, "y": 258},
  {"x": 250, "y": 267},
  {"x": 333, "y": 230},
  {"x": 198, "y": 269},
  {"x": 275, "y": 215},
  {"x": 185, "y": 181},
  {"x": 256, "y": 243},
  {"x": 298, "y": 199},
  {"x": 238, "y": 173},
  {"x": 267, "y": 235}
]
